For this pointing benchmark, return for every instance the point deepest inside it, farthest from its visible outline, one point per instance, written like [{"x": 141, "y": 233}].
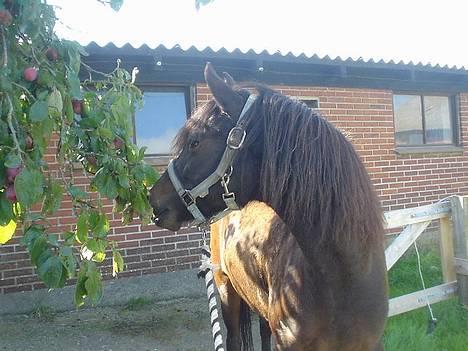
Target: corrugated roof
[{"x": 160, "y": 49}]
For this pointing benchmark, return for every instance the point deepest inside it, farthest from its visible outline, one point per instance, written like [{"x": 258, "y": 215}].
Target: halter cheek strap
[{"x": 222, "y": 173}]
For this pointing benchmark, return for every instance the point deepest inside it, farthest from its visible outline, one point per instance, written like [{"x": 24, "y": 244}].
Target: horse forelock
[
  {"x": 312, "y": 175},
  {"x": 199, "y": 121}
]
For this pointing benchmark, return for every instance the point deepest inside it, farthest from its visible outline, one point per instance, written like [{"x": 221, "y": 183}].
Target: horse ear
[
  {"x": 226, "y": 98},
  {"x": 228, "y": 79}
]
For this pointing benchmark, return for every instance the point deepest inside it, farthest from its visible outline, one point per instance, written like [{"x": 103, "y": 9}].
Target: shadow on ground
[{"x": 180, "y": 324}]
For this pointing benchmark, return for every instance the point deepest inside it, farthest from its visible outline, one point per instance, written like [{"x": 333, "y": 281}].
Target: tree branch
[
  {"x": 90, "y": 69},
  {"x": 5, "y": 52},
  {"x": 25, "y": 89},
  {"x": 11, "y": 127}
]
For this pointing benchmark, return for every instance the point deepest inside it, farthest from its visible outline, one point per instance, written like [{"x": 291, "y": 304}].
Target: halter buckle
[
  {"x": 236, "y": 138},
  {"x": 229, "y": 196},
  {"x": 187, "y": 198}
]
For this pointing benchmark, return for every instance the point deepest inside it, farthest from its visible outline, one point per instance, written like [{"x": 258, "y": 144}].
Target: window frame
[
  {"x": 189, "y": 94},
  {"x": 304, "y": 100},
  {"x": 453, "y": 100}
]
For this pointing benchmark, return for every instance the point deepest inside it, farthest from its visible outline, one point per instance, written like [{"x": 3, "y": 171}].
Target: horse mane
[{"x": 311, "y": 174}]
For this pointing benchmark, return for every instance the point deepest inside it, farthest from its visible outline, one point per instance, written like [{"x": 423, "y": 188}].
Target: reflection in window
[
  {"x": 408, "y": 119},
  {"x": 422, "y": 120},
  {"x": 157, "y": 123},
  {"x": 438, "y": 124}
]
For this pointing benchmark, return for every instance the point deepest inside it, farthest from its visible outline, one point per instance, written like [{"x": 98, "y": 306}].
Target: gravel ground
[{"x": 180, "y": 324}]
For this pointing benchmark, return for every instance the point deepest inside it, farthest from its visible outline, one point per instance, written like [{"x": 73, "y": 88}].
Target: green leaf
[
  {"x": 52, "y": 239},
  {"x": 96, "y": 245},
  {"x": 93, "y": 284},
  {"x": 41, "y": 132},
  {"x": 200, "y": 3},
  {"x": 12, "y": 160},
  {"x": 99, "y": 224},
  {"x": 116, "y": 4},
  {"x": 30, "y": 236},
  {"x": 45, "y": 255},
  {"x": 39, "y": 246},
  {"x": 68, "y": 110},
  {"x": 45, "y": 79},
  {"x": 63, "y": 277},
  {"x": 6, "y": 209},
  {"x": 5, "y": 84},
  {"x": 74, "y": 58},
  {"x": 38, "y": 111},
  {"x": 109, "y": 187},
  {"x": 69, "y": 238},
  {"x": 4, "y": 133},
  {"x": 79, "y": 48},
  {"x": 124, "y": 181},
  {"x": 99, "y": 257},
  {"x": 138, "y": 173},
  {"x": 77, "y": 193},
  {"x": 53, "y": 197},
  {"x": 74, "y": 84},
  {"x": 117, "y": 262},
  {"x": 29, "y": 186},
  {"x": 68, "y": 260},
  {"x": 55, "y": 103},
  {"x": 30, "y": 216},
  {"x": 80, "y": 290},
  {"x": 51, "y": 272},
  {"x": 7, "y": 232},
  {"x": 82, "y": 228},
  {"x": 151, "y": 176},
  {"x": 141, "y": 153},
  {"x": 105, "y": 133}
]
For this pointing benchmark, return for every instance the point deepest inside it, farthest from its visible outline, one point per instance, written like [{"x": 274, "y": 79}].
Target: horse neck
[{"x": 353, "y": 257}]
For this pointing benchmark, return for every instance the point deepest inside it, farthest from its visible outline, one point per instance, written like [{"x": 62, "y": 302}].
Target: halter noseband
[{"x": 222, "y": 173}]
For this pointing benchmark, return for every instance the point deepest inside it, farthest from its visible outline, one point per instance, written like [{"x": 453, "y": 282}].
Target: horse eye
[{"x": 194, "y": 144}]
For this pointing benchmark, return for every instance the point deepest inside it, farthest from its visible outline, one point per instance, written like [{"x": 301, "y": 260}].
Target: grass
[
  {"x": 137, "y": 304},
  {"x": 408, "y": 331},
  {"x": 44, "y": 314}
]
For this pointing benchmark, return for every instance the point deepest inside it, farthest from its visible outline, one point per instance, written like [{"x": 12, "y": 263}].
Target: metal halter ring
[{"x": 236, "y": 138}]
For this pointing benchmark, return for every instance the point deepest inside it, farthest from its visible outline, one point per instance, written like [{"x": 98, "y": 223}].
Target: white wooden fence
[{"x": 453, "y": 217}]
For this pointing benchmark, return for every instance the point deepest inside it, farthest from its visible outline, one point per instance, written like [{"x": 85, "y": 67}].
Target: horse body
[
  {"x": 262, "y": 261},
  {"x": 311, "y": 262}
]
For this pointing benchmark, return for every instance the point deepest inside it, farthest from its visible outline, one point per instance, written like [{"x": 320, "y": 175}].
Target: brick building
[{"x": 408, "y": 122}]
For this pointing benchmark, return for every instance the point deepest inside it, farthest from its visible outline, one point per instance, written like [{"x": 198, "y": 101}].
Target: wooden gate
[{"x": 453, "y": 216}]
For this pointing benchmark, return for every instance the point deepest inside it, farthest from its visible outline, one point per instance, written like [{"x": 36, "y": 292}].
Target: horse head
[{"x": 200, "y": 147}]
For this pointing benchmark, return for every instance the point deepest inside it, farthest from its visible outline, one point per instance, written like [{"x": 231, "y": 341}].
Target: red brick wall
[
  {"x": 146, "y": 249},
  {"x": 366, "y": 116}
]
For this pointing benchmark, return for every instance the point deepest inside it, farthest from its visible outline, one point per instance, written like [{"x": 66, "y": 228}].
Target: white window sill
[
  {"x": 429, "y": 149},
  {"x": 162, "y": 160}
]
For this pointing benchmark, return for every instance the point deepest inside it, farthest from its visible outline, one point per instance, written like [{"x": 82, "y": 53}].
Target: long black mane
[{"x": 310, "y": 173}]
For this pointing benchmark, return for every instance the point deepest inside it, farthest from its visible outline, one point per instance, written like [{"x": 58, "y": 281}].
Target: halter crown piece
[{"x": 222, "y": 174}]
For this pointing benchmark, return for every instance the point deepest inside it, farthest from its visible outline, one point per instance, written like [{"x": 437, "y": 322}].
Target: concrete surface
[{"x": 155, "y": 287}]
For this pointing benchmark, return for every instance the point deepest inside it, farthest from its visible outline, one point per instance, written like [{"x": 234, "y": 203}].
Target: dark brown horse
[{"x": 322, "y": 277}]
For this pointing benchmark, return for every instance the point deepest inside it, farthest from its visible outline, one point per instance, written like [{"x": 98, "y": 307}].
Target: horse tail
[{"x": 245, "y": 327}]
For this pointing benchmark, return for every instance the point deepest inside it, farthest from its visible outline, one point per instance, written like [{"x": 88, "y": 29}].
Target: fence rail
[{"x": 453, "y": 217}]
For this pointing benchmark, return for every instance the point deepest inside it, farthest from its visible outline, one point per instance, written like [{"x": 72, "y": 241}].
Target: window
[
  {"x": 164, "y": 112},
  {"x": 423, "y": 120},
  {"x": 311, "y": 102}
]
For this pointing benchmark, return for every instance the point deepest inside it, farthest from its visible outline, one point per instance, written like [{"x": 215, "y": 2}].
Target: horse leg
[
  {"x": 230, "y": 306},
  {"x": 265, "y": 334}
]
